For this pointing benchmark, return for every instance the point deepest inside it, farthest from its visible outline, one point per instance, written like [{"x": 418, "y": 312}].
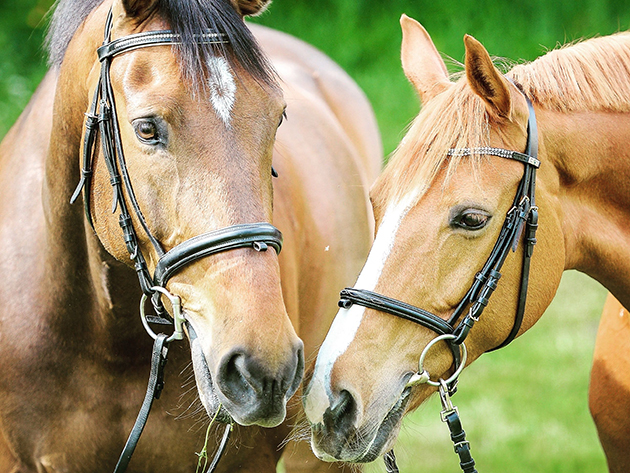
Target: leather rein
[
  {"x": 522, "y": 218},
  {"x": 102, "y": 119}
]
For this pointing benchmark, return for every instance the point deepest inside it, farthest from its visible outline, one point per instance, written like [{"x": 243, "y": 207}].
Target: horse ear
[
  {"x": 251, "y": 7},
  {"x": 421, "y": 61},
  {"x": 138, "y": 8},
  {"x": 485, "y": 79}
]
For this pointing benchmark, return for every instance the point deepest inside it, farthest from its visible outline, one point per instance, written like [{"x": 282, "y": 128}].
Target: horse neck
[
  {"x": 93, "y": 290},
  {"x": 590, "y": 154}
]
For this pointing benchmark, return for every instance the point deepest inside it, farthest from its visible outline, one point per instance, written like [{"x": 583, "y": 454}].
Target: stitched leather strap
[
  {"x": 373, "y": 300},
  {"x": 256, "y": 235},
  {"x": 154, "y": 389},
  {"x": 461, "y": 445},
  {"x": 153, "y": 38}
]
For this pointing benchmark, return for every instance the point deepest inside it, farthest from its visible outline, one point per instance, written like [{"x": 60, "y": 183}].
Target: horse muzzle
[
  {"x": 244, "y": 388},
  {"x": 342, "y": 436}
]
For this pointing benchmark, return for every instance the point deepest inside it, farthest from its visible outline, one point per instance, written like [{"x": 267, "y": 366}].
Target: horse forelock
[
  {"x": 242, "y": 49},
  {"x": 456, "y": 118},
  {"x": 186, "y": 18}
]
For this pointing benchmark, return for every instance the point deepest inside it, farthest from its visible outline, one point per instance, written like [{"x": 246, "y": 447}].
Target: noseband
[
  {"x": 102, "y": 119},
  {"x": 521, "y": 218}
]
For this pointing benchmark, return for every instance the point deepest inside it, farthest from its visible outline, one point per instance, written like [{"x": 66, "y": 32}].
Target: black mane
[{"x": 185, "y": 18}]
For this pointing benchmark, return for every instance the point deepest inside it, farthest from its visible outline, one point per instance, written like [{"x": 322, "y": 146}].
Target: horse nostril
[
  {"x": 253, "y": 389},
  {"x": 237, "y": 377},
  {"x": 342, "y": 414}
]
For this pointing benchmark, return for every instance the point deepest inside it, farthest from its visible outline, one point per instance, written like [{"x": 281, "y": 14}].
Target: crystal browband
[{"x": 500, "y": 152}]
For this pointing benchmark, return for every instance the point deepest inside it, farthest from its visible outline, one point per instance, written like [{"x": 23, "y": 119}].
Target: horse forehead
[
  {"x": 152, "y": 76},
  {"x": 482, "y": 179},
  {"x": 222, "y": 88}
]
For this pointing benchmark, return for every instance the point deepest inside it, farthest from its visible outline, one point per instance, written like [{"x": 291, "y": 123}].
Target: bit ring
[
  {"x": 423, "y": 376},
  {"x": 178, "y": 319}
]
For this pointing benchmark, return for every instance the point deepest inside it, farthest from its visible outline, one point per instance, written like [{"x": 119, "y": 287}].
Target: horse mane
[
  {"x": 185, "y": 18},
  {"x": 592, "y": 75}
]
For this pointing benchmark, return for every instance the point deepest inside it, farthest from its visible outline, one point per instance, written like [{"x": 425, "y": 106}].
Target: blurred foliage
[
  {"x": 22, "y": 63},
  {"x": 364, "y": 36}
]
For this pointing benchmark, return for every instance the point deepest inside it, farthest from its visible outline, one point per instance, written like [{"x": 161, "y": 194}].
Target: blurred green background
[{"x": 525, "y": 407}]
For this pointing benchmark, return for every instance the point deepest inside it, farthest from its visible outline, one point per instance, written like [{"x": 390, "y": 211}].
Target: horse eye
[
  {"x": 283, "y": 117},
  {"x": 472, "y": 220},
  {"x": 146, "y": 131}
]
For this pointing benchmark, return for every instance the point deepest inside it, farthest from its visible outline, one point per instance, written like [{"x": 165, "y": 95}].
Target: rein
[
  {"x": 522, "y": 218},
  {"x": 102, "y": 119}
]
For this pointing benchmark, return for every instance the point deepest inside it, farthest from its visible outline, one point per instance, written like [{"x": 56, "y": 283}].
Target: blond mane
[{"x": 593, "y": 75}]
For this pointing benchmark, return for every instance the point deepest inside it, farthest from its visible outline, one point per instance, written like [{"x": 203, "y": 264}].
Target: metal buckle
[
  {"x": 445, "y": 398},
  {"x": 423, "y": 376},
  {"x": 178, "y": 318},
  {"x": 465, "y": 443},
  {"x": 444, "y": 413},
  {"x": 470, "y": 314},
  {"x": 524, "y": 201}
]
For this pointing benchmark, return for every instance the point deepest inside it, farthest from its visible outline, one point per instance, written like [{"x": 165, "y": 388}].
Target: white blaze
[
  {"x": 222, "y": 88},
  {"x": 347, "y": 321}
]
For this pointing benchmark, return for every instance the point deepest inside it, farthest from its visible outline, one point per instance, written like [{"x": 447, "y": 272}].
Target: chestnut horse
[
  {"x": 199, "y": 127},
  {"x": 440, "y": 206}
]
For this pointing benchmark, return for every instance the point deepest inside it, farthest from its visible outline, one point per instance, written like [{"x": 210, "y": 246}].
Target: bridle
[
  {"x": 521, "y": 218},
  {"x": 102, "y": 119}
]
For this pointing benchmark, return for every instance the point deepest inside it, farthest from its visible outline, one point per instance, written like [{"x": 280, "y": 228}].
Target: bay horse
[
  {"x": 490, "y": 159},
  {"x": 187, "y": 156}
]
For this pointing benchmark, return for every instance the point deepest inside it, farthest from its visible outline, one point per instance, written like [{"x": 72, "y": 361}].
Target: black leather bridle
[
  {"x": 521, "y": 218},
  {"x": 102, "y": 119}
]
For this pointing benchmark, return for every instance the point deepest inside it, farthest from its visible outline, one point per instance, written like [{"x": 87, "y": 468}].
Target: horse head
[
  {"x": 197, "y": 123},
  {"x": 439, "y": 215}
]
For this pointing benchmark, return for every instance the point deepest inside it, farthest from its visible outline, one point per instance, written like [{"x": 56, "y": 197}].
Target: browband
[
  {"x": 500, "y": 152},
  {"x": 153, "y": 38}
]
